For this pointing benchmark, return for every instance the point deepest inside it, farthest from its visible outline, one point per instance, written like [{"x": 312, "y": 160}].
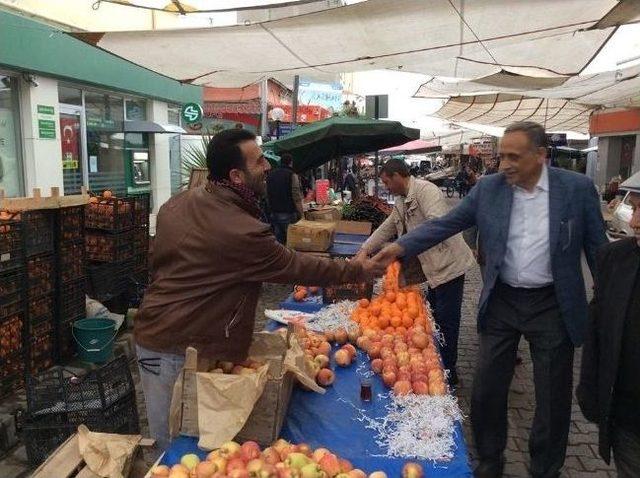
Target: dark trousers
[
  {"x": 280, "y": 222},
  {"x": 534, "y": 313},
  {"x": 626, "y": 452},
  {"x": 446, "y": 302}
]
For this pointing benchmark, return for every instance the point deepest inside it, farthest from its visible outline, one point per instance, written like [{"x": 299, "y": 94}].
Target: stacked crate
[
  {"x": 12, "y": 303},
  {"x": 71, "y": 302},
  {"x": 141, "y": 211},
  {"x": 109, "y": 246},
  {"x": 40, "y": 287}
]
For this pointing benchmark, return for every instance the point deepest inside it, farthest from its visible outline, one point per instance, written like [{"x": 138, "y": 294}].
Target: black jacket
[{"x": 617, "y": 266}]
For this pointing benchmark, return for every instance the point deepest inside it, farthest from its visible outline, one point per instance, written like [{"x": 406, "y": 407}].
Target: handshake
[{"x": 374, "y": 267}]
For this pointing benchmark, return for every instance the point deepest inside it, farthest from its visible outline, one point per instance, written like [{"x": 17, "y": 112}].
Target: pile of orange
[{"x": 395, "y": 310}]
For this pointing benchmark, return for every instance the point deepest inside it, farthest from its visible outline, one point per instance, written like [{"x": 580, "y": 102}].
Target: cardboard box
[
  {"x": 310, "y": 236},
  {"x": 354, "y": 227},
  {"x": 326, "y": 213}
]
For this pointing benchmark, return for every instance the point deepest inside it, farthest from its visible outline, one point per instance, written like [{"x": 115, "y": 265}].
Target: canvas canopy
[
  {"x": 200, "y": 6},
  {"x": 546, "y": 42}
]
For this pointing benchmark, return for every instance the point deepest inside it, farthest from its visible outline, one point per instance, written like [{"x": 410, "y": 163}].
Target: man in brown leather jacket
[{"x": 211, "y": 254}]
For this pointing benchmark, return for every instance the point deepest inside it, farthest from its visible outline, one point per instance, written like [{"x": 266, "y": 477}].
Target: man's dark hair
[
  {"x": 395, "y": 166},
  {"x": 534, "y": 131},
  {"x": 286, "y": 160},
  {"x": 224, "y": 154}
]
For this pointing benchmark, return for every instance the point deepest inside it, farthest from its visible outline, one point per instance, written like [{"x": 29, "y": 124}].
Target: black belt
[{"x": 524, "y": 290}]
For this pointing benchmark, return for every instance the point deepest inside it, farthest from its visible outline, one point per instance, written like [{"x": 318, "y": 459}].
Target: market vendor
[
  {"x": 444, "y": 267},
  {"x": 211, "y": 254}
]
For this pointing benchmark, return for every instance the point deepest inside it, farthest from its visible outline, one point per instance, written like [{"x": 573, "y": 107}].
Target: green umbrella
[
  {"x": 273, "y": 158},
  {"x": 317, "y": 143}
]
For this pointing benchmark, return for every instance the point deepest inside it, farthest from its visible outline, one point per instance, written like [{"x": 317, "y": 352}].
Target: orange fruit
[
  {"x": 413, "y": 311},
  {"x": 396, "y": 321},
  {"x": 390, "y": 330},
  {"x": 383, "y": 321},
  {"x": 363, "y": 303},
  {"x": 374, "y": 309},
  {"x": 407, "y": 321},
  {"x": 391, "y": 297},
  {"x": 401, "y": 330}
]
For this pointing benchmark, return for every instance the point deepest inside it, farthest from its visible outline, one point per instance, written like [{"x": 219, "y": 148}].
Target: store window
[
  {"x": 105, "y": 142},
  {"x": 135, "y": 110},
  {"x": 173, "y": 114},
  {"x": 69, "y": 96},
  {"x": 10, "y": 164}
]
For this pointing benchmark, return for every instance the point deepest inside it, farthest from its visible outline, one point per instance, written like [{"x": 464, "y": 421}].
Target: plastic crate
[
  {"x": 40, "y": 275},
  {"x": 141, "y": 240},
  {"x": 11, "y": 306},
  {"x": 65, "y": 346},
  {"x": 106, "y": 247},
  {"x": 70, "y": 223},
  {"x": 72, "y": 299},
  {"x": 41, "y": 347},
  {"x": 11, "y": 283},
  {"x": 106, "y": 281},
  {"x": 11, "y": 243},
  {"x": 112, "y": 214},
  {"x": 11, "y": 335},
  {"x": 141, "y": 209},
  {"x": 333, "y": 294},
  {"x": 40, "y": 309},
  {"x": 38, "y": 231},
  {"x": 72, "y": 261},
  {"x": 11, "y": 373}
]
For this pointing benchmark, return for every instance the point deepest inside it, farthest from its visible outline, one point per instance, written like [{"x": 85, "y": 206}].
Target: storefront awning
[{"x": 151, "y": 127}]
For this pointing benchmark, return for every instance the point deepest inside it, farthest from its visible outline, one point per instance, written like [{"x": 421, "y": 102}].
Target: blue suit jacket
[{"x": 575, "y": 224}]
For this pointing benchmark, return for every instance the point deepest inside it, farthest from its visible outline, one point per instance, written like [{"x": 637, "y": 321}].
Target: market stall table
[{"x": 335, "y": 421}]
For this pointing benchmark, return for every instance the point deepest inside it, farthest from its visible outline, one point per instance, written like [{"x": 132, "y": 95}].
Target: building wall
[{"x": 160, "y": 164}]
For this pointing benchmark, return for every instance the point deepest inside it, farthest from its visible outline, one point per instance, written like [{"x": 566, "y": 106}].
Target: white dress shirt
[{"x": 527, "y": 262}]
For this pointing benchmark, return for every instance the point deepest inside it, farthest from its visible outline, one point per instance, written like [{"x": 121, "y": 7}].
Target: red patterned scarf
[{"x": 247, "y": 195}]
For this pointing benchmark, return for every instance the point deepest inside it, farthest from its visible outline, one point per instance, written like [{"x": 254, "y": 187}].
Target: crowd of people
[{"x": 213, "y": 250}]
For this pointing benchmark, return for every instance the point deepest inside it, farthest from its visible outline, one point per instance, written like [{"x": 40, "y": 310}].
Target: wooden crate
[
  {"x": 265, "y": 422},
  {"x": 54, "y": 201},
  {"x": 66, "y": 462}
]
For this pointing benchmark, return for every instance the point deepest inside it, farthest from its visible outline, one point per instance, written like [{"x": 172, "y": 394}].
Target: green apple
[
  {"x": 190, "y": 461},
  {"x": 312, "y": 470},
  {"x": 297, "y": 460}
]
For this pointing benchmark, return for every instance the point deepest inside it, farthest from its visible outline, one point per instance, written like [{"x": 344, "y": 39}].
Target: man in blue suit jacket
[{"x": 533, "y": 222}]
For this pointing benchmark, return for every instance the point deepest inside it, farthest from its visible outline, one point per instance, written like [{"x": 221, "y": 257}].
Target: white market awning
[{"x": 547, "y": 41}]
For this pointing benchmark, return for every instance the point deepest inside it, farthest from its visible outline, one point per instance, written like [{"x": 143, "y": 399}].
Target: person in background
[
  {"x": 491, "y": 166},
  {"x": 609, "y": 388},
  {"x": 534, "y": 222},
  {"x": 462, "y": 179},
  {"x": 211, "y": 255},
  {"x": 284, "y": 197},
  {"x": 350, "y": 184},
  {"x": 444, "y": 268}
]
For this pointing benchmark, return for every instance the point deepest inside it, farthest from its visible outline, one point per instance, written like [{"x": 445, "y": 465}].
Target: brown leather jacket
[{"x": 210, "y": 258}]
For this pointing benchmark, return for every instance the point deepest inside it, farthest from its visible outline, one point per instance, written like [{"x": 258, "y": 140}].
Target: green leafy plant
[{"x": 195, "y": 156}]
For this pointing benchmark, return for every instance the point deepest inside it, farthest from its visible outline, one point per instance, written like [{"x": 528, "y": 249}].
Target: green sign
[
  {"x": 192, "y": 113},
  {"x": 47, "y": 129},
  {"x": 46, "y": 110}
]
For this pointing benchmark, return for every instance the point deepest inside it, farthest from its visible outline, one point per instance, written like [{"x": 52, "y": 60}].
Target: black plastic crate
[
  {"x": 72, "y": 261},
  {"x": 107, "y": 247},
  {"x": 45, "y": 432},
  {"x": 40, "y": 275},
  {"x": 141, "y": 240},
  {"x": 40, "y": 309},
  {"x": 11, "y": 283},
  {"x": 106, "y": 281},
  {"x": 65, "y": 346},
  {"x": 40, "y": 348},
  {"x": 11, "y": 335},
  {"x": 11, "y": 306},
  {"x": 70, "y": 225},
  {"x": 72, "y": 299},
  {"x": 141, "y": 209},
  {"x": 60, "y": 391},
  {"x": 11, "y": 241},
  {"x": 11, "y": 373},
  {"x": 38, "y": 231},
  {"x": 109, "y": 214}
]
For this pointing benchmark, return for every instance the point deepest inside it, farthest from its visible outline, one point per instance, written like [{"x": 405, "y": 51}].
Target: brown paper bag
[{"x": 106, "y": 454}]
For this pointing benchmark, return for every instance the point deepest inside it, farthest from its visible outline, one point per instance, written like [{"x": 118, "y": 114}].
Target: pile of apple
[
  {"x": 301, "y": 292},
  {"x": 249, "y": 366},
  {"x": 408, "y": 362},
  {"x": 317, "y": 349},
  {"x": 281, "y": 460}
]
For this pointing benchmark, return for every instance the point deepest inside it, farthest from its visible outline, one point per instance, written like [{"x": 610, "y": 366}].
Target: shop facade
[
  {"x": 72, "y": 115},
  {"x": 618, "y": 133}
]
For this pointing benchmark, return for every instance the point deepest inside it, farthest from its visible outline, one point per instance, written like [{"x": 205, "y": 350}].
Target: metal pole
[
  {"x": 376, "y": 115},
  {"x": 264, "y": 120},
  {"x": 294, "y": 109}
]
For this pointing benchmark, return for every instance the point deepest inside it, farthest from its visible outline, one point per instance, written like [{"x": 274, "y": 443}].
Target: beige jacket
[{"x": 440, "y": 264}]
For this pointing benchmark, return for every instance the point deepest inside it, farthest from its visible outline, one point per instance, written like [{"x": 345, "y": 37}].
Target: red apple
[
  {"x": 325, "y": 377},
  {"x": 374, "y": 351},
  {"x": 341, "y": 336},
  {"x": 330, "y": 464},
  {"x": 236, "y": 464},
  {"x": 345, "y": 466},
  {"x": 343, "y": 359},
  {"x": 351, "y": 349},
  {"x": 270, "y": 456},
  {"x": 250, "y": 450}
]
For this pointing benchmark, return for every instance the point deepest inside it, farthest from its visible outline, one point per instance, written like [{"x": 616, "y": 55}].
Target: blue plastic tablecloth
[
  {"x": 310, "y": 305},
  {"x": 347, "y": 244},
  {"x": 331, "y": 421}
]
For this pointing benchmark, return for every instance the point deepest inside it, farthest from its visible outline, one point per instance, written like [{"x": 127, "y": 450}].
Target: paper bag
[
  {"x": 106, "y": 454},
  {"x": 224, "y": 404}
]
